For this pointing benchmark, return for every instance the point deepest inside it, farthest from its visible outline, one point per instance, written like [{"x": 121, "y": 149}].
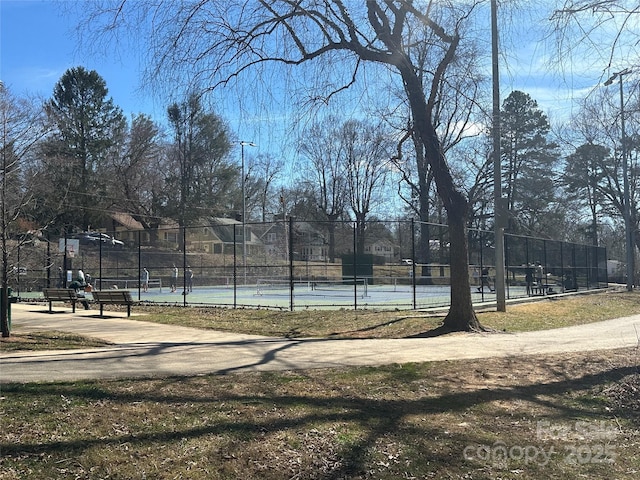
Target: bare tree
[
  {"x": 262, "y": 172},
  {"x": 457, "y": 105},
  {"x": 22, "y": 127},
  {"x": 578, "y": 25},
  {"x": 216, "y": 43},
  {"x": 367, "y": 161},
  {"x": 325, "y": 178},
  {"x": 138, "y": 174}
]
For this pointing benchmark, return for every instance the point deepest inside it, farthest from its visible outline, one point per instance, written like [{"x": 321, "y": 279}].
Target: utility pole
[
  {"x": 499, "y": 213},
  {"x": 244, "y": 209},
  {"x": 625, "y": 180}
]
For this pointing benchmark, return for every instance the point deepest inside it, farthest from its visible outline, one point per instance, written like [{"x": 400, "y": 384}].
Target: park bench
[
  {"x": 544, "y": 289},
  {"x": 61, "y": 295},
  {"x": 113, "y": 297}
]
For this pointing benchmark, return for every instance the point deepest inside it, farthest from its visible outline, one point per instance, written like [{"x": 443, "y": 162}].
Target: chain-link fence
[{"x": 290, "y": 264}]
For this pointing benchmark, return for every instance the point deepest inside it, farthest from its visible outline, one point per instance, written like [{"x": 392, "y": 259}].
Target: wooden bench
[
  {"x": 61, "y": 295},
  {"x": 113, "y": 297}
]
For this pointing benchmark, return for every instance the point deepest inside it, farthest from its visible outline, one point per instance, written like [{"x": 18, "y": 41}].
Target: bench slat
[
  {"x": 113, "y": 297},
  {"x": 60, "y": 295}
]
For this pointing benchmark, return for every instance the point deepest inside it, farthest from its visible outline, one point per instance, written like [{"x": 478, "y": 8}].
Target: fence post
[
  {"x": 500, "y": 279},
  {"x": 49, "y": 260},
  {"x": 481, "y": 240},
  {"x": 235, "y": 270},
  {"x": 100, "y": 263},
  {"x": 291, "y": 283},
  {"x": 588, "y": 263},
  {"x": 184, "y": 265},
  {"x": 355, "y": 267},
  {"x": 574, "y": 266},
  {"x": 587, "y": 274},
  {"x": 507, "y": 282},
  {"x": 413, "y": 262},
  {"x": 562, "y": 267},
  {"x": 139, "y": 260},
  {"x": 546, "y": 262}
]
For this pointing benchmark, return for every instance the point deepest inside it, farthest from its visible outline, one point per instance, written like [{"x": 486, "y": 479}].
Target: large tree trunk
[
  {"x": 424, "y": 185},
  {"x": 461, "y": 316}
]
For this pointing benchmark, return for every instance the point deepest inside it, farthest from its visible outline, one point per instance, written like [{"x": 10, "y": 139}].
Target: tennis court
[
  {"x": 315, "y": 295},
  {"x": 293, "y": 268}
]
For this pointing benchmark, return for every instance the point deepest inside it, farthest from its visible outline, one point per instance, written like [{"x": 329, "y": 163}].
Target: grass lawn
[
  {"x": 557, "y": 416},
  {"x": 552, "y": 312}
]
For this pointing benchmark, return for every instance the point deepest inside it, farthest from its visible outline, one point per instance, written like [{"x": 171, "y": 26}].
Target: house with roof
[
  {"x": 217, "y": 235},
  {"x": 214, "y": 235},
  {"x": 382, "y": 248},
  {"x": 308, "y": 243}
]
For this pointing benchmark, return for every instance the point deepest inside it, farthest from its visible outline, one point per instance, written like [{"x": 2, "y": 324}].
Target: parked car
[
  {"x": 85, "y": 238},
  {"x": 108, "y": 239},
  {"x": 94, "y": 239}
]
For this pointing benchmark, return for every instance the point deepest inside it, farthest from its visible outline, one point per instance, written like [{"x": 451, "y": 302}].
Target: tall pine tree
[
  {"x": 583, "y": 175},
  {"x": 201, "y": 173},
  {"x": 86, "y": 125},
  {"x": 528, "y": 165}
]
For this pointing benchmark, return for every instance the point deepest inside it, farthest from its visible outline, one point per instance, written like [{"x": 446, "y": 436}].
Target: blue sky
[{"x": 38, "y": 45}]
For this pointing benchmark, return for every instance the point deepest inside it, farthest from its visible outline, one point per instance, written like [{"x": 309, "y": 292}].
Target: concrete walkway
[{"x": 143, "y": 349}]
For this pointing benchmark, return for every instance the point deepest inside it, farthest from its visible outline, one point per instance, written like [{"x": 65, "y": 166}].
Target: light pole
[
  {"x": 244, "y": 209},
  {"x": 625, "y": 182}
]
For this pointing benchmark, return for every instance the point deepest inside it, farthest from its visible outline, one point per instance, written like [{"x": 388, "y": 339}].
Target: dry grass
[
  {"x": 552, "y": 312},
  {"x": 436, "y": 420},
  {"x": 558, "y": 416},
  {"x": 48, "y": 340}
]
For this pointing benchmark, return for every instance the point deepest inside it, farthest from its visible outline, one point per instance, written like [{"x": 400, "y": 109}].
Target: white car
[
  {"x": 92, "y": 238},
  {"x": 103, "y": 237}
]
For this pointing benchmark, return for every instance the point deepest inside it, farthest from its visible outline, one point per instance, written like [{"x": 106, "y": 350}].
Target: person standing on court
[
  {"x": 528, "y": 278},
  {"x": 174, "y": 279},
  {"x": 485, "y": 280},
  {"x": 145, "y": 279},
  {"x": 189, "y": 278},
  {"x": 539, "y": 274}
]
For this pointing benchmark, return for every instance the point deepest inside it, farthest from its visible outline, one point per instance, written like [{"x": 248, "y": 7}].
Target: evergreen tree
[
  {"x": 201, "y": 175},
  {"x": 583, "y": 175},
  {"x": 86, "y": 126},
  {"x": 529, "y": 160}
]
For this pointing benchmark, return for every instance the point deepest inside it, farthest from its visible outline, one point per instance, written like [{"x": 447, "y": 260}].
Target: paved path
[{"x": 143, "y": 349}]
